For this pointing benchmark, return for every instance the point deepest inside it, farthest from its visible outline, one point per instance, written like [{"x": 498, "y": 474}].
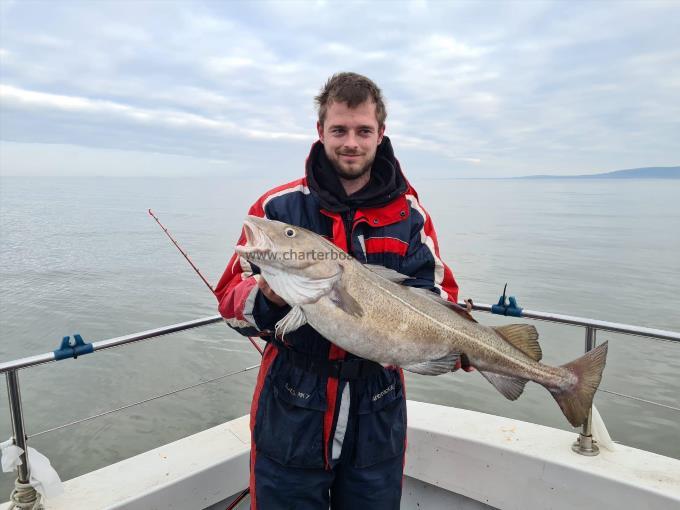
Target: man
[{"x": 328, "y": 427}]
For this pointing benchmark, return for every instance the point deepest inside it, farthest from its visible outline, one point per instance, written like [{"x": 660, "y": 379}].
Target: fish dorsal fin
[
  {"x": 387, "y": 273},
  {"x": 297, "y": 289},
  {"x": 522, "y": 336},
  {"x": 438, "y": 299},
  {"x": 397, "y": 277},
  {"x": 510, "y": 387},
  {"x": 435, "y": 366}
]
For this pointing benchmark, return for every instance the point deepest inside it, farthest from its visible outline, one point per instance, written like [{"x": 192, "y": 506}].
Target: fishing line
[
  {"x": 198, "y": 272},
  {"x": 639, "y": 399},
  {"x": 127, "y": 406},
  {"x": 205, "y": 281}
]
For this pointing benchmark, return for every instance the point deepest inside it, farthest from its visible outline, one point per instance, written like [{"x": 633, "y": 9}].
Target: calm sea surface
[{"x": 82, "y": 255}]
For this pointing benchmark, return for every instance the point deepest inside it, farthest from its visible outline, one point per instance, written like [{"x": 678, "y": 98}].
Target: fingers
[{"x": 465, "y": 363}]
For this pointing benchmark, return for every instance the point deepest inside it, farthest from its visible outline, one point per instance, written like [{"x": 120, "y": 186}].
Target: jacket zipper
[{"x": 349, "y": 223}]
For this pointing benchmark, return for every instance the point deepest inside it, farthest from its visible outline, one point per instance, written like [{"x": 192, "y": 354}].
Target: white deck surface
[
  {"x": 193, "y": 472},
  {"x": 504, "y": 463},
  {"x": 510, "y": 464}
]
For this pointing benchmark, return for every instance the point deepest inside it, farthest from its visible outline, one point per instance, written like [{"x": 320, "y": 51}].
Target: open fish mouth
[{"x": 257, "y": 242}]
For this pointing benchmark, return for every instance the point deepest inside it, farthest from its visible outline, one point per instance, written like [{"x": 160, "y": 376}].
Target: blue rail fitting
[
  {"x": 72, "y": 348},
  {"x": 508, "y": 307}
]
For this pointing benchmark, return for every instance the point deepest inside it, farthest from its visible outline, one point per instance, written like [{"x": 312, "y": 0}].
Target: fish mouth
[{"x": 257, "y": 242}]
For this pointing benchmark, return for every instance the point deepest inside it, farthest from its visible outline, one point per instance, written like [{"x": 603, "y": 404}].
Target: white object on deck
[
  {"x": 10, "y": 455},
  {"x": 193, "y": 472},
  {"x": 454, "y": 456},
  {"x": 600, "y": 432},
  {"x": 43, "y": 477}
]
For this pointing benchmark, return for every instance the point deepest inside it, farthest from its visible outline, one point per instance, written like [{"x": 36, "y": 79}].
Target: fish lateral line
[{"x": 446, "y": 327}]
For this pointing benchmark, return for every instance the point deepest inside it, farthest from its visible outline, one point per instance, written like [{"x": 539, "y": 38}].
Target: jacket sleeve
[
  {"x": 422, "y": 260},
  {"x": 241, "y": 303}
]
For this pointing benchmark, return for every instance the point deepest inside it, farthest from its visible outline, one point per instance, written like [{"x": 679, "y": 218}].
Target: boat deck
[{"x": 456, "y": 459}]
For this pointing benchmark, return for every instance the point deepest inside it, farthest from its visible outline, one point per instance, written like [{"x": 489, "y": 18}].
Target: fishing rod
[{"x": 198, "y": 272}]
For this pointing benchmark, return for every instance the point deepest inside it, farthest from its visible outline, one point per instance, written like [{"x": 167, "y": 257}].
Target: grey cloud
[{"x": 473, "y": 89}]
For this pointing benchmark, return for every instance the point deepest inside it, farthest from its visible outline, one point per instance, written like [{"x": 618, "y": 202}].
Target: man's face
[{"x": 350, "y": 137}]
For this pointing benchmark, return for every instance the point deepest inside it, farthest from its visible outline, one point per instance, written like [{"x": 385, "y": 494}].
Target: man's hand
[
  {"x": 269, "y": 293},
  {"x": 464, "y": 363}
]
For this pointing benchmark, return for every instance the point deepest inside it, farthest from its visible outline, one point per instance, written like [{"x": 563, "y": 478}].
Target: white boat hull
[{"x": 456, "y": 459}]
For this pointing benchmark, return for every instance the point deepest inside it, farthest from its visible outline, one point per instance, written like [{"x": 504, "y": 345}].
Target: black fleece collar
[{"x": 387, "y": 181}]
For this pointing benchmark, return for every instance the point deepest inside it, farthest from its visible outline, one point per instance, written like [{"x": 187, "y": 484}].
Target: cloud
[
  {"x": 445, "y": 47},
  {"x": 521, "y": 88},
  {"x": 13, "y": 97}
]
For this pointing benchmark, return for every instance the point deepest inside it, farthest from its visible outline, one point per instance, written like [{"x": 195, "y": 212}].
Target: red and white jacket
[{"x": 398, "y": 235}]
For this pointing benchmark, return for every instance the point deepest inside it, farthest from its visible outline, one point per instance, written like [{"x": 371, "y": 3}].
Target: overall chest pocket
[
  {"x": 289, "y": 421},
  {"x": 381, "y": 420},
  {"x": 384, "y": 246}
]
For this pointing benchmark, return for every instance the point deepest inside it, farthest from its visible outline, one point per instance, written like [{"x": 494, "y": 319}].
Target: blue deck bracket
[
  {"x": 507, "y": 308},
  {"x": 72, "y": 348}
]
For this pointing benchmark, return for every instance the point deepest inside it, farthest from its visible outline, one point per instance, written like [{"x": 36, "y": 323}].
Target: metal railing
[
  {"x": 24, "y": 496},
  {"x": 584, "y": 444}
]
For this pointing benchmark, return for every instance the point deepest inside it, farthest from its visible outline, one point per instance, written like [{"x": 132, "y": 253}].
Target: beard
[{"x": 347, "y": 172}]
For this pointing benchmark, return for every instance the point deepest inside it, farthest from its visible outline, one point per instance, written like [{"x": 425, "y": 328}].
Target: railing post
[
  {"x": 24, "y": 495},
  {"x": 584, "y": 444}
]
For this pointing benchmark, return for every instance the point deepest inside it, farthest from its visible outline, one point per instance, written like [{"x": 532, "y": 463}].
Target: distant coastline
[{"x": 652, "y": 172}]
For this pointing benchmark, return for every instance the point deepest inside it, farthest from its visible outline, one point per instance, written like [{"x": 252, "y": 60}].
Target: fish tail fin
[{"x": 576, "y": 400}]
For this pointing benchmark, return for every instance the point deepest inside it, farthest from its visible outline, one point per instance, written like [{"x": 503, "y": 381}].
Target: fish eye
[{"x": 290, "y": 232}]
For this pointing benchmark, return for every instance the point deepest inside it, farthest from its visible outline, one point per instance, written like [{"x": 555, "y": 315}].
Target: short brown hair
[{"x": 353, "y": 89}]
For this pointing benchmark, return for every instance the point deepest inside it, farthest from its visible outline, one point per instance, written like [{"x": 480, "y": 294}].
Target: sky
[{"x": 473, "y": 89}]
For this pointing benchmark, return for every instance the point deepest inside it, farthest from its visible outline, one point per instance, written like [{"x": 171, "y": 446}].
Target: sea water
[{"x": 82, "y": 255}]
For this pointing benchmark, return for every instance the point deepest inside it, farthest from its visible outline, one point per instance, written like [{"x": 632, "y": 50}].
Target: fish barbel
[{"x": 371, "y": 312}]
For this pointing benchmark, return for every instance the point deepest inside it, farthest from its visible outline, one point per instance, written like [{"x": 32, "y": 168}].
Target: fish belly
[{"x": 381, "y": 337}]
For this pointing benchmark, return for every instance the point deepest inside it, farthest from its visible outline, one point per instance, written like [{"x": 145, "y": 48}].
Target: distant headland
[{"x": 652, "y": 172}]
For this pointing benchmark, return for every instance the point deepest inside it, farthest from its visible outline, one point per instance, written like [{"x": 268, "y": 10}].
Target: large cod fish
[{"x": 366, "y": 311}]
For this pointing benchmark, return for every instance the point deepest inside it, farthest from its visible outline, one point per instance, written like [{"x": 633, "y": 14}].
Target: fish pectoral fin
[
  {"x": 293, "y": 320},
  {"x": 434, "y": 366},
  {"x": 522, "y": 336},
  {"x": 340, "y": 297},
  {"x": 510, "y": 387}
]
